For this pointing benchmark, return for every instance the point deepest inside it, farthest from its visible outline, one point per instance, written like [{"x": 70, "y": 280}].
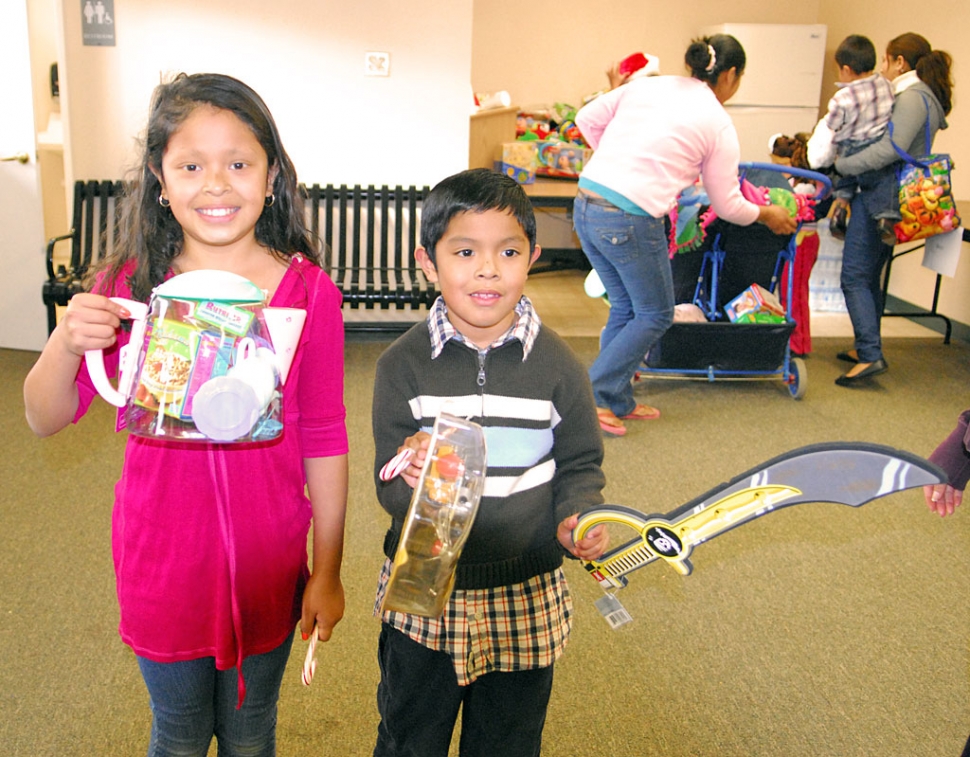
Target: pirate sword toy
[{"x": 848, "y": 473}]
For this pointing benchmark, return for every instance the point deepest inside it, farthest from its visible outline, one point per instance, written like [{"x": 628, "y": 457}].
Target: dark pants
[
  {"x": 418, "y": 699},
  {"x": 879, "y": 183}
]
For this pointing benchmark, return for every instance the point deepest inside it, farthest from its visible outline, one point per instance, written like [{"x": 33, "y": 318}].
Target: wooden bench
[{"x": 369, "y": 235}]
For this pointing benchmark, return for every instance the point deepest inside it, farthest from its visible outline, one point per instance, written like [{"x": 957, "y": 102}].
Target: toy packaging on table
[
  {"x": 519, "y": 160},
  {"x": 560, "y": 150}
]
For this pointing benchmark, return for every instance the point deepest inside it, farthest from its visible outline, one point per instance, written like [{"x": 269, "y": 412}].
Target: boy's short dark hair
[
  {"x": 858, "y": 53},
  {"x": 475, "y": 190}
]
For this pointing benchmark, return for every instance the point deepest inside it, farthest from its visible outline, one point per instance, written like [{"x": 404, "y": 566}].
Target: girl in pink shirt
[{"x": 210, "y": 539}]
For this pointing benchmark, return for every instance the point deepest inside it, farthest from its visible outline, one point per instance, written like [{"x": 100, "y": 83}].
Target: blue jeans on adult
[
  {"x": 863, "y": 258},
  {"x": 192, "y": 702},
  {"x": 629, "y": 252}
]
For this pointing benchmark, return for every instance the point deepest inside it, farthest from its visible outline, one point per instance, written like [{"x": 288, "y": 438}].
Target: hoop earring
[
  {"x": 270, "y": 201},
  {"x": 164, "y": 201}
]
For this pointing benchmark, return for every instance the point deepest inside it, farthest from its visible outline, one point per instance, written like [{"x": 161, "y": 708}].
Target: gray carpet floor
[{"x": 816, "y": 631}]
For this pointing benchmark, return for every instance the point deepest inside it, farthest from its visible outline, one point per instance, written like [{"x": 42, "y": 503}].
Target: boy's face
[{"x": 483, "y": 262}]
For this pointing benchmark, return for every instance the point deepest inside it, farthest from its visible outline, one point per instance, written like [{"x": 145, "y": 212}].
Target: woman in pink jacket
[{"x": 653, "y": 137}]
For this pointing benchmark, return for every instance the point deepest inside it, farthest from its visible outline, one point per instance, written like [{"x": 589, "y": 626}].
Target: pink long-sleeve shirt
[
  {"x": 210, "y": 540},
  {"x": 654, "y": 136}
]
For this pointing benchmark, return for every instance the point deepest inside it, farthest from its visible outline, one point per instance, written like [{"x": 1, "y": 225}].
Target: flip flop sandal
[
  {"x": 609, "y": 423},
  {"x": 642, "y": 413}
]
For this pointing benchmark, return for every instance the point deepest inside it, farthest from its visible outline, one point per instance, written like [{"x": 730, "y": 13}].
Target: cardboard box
[
  {"x": 754, "y": 299},
  {"x": 519, "y": 160},
  {"x": 562, "y": 159}
]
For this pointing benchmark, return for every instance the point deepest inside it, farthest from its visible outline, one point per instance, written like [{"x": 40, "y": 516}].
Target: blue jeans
[
  {"x": 880, "y": 183},
  {"x": 863, "y": 258},
  {"x": 629, "y": 252},
  {"x": 192, "y": 702}
]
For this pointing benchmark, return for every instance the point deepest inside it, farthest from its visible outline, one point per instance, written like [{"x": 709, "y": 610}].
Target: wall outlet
[{"x": 377, "y": 64}]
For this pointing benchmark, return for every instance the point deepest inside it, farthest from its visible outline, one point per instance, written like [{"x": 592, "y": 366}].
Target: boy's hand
[
  {"x": 90, "y": 323},
  {"x": 419, "y": 443},
  {"x": 942, "y": 498},
  {"x": 590, "y": 546}
]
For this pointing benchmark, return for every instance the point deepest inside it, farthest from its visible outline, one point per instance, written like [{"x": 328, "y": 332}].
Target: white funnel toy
[{"x": 285, "y": 325}]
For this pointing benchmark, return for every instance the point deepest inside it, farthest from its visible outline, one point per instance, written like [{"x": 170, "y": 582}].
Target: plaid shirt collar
[{"x": 525, "y": 328}]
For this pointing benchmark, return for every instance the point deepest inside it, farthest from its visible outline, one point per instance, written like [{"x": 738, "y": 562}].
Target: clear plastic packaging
[
  {"x": 206, "y": 361},
  {"x": 439, "y": 519}
]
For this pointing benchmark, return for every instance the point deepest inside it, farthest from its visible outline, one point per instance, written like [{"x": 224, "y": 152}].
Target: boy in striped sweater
[{"x": 484, "y": 353}]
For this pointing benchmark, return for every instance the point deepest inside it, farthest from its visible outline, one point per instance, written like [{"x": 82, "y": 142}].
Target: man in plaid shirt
[{"x": 484, "y": 354}]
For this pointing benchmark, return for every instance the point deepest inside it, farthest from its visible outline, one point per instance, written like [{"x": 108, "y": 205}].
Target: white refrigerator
[{"x": 782, "y": 82}]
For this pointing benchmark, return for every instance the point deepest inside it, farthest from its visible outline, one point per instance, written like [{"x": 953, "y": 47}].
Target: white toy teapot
[{"x": 206, "y": 361}]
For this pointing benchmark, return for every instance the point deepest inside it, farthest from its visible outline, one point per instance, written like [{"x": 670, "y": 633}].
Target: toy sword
[{"x": 846, "y": 473}]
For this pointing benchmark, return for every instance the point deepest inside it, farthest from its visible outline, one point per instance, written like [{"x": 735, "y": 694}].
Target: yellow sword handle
[{"x": 662, "y": 538}]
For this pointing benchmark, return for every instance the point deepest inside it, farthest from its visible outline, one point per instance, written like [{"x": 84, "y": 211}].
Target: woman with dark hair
[
  {"x": 921, "y": 82},
  {"x": 653, "y": 137}
]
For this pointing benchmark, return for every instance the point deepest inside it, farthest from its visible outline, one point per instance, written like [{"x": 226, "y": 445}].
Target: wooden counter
[
  {"x": 488, "y": 130},
  {"x": 552, "y": 193}
]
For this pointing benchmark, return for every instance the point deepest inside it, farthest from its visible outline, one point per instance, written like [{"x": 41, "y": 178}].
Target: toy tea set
[{"x": 206, "y": 361}]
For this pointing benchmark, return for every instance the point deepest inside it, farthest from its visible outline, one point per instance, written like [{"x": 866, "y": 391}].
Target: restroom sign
[{"x": 98, "y": 22}]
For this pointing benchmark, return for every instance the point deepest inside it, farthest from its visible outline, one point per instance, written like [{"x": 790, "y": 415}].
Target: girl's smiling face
[
  {"x": 216, "y": 176},
  {"x": 482, "y": 263}
]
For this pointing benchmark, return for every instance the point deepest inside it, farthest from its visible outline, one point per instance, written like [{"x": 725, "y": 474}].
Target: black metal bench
[
  {"x": 370, "y": 234},
  {"x": 92, "y": 234}
]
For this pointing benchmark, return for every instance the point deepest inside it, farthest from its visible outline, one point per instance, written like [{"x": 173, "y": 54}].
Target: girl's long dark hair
[
  {"x": 931, "y": 66},
  {"x": 149, "y": 235}
]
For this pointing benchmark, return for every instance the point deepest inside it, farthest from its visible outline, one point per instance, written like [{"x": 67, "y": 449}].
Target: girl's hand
[
  {"x": 590, "y": 546},
  {"x": 323, "y": 605},
  {"x": 90, "y": 323},
  {"x": 942, "y": 498},
  {"x": 419, "y": 443}
]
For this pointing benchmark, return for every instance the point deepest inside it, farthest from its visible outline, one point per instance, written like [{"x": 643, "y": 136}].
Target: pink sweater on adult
[
  {"x": 654, "y": 136},
  {"x": 210, "y": 540}
]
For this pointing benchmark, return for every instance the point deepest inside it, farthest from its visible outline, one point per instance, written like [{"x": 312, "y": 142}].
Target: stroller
[{"x": 712, "y": 276}]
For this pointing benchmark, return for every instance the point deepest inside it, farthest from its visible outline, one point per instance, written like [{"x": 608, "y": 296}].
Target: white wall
[{"x": 306, "y": 59}]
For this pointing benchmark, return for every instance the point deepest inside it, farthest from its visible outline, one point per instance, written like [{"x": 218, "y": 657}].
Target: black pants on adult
[{"x": 419, "y": 698}]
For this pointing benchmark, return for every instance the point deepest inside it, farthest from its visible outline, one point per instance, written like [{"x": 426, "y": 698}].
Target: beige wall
[
  {"x": 567, "y": 60},
  {"x": 571, "y": 46}
]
